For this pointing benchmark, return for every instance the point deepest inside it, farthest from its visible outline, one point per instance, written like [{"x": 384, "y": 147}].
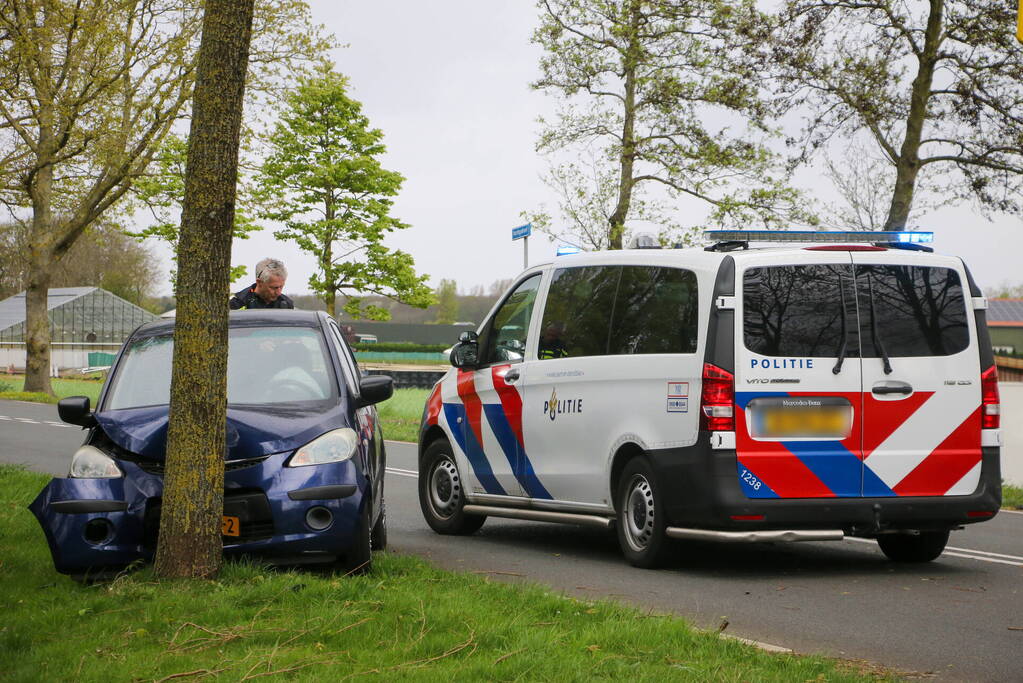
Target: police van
[{"x": 809, "y": 387}]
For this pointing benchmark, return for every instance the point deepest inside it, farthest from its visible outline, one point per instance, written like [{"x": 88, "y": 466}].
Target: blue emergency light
[
  {"x": 822, "y": 236},
  {"x": 566, "y": 249}
]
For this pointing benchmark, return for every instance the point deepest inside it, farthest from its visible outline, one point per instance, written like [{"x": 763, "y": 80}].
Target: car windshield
[{"x": 265, "y": 366}]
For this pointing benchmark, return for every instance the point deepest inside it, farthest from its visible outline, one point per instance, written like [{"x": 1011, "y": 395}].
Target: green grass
[
  {"x": 1012, "y": 497},
  {"x": 400, "y": 414},
  {"x": 404, "y": 621},
  {"x": 11, "y": 388}
]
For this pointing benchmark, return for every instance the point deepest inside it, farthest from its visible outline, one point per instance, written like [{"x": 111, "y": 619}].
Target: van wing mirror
[
  {"x": 75, "y": 410},
  {"x": 466, "y": 353}
]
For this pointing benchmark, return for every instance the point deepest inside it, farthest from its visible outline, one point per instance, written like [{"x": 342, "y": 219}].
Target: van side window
[
  {"x": 916, "y": 311},
  {"x": 505, "y": 337},
  {"x": 577, "y": 317},
  {"x": 655, "y": 311},
  {"x": 798, "y": 311}
]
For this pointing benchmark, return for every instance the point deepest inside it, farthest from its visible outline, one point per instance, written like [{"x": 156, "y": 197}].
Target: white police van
[{"x": 808, "y": 391}]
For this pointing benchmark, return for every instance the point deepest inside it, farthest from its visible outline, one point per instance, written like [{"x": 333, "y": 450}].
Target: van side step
[
  {"x": 786, "y": 535},
  {"x": 539, "y": 515}
]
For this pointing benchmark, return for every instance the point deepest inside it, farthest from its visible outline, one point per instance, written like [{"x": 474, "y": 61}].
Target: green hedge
[{"x": 402, "y": 347}]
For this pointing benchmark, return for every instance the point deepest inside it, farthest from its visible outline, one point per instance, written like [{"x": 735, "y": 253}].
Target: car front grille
[
  {"x": 158, "y": 468},
  {"x": 251, "y": 507}
]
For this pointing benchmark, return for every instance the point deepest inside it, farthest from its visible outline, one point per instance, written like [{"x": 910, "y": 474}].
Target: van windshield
[{"x": 265, "y": 366}]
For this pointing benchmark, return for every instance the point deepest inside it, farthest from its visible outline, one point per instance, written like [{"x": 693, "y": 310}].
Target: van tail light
[
  {"x": 990, "y": 413},
  {"x": 717, "y": 401}
]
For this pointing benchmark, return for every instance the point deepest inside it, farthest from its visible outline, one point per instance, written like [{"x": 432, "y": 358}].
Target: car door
[
  {"x": 798, "y": 377},
  {"x": 921, "y": 376},
  {"x": 488, "y": 413}
]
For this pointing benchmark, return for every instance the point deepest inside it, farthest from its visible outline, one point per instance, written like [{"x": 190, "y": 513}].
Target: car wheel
[
  {"x": 640, "y": 516},
  {"x": 442, "y": 494},
  {"x": 359, "y": 558},
  {"x": 378, "y": 538},
  {"x": 922, "y": 547}
]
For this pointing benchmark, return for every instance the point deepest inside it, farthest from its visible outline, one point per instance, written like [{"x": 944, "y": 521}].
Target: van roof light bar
[{"x": 823, "y": 236}]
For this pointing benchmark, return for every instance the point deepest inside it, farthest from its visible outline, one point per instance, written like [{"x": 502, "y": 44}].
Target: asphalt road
[{"x": 959, "y": 618}]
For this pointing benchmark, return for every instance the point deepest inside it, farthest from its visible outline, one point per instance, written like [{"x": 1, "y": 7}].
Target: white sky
[{"x": 448, "y": 83}]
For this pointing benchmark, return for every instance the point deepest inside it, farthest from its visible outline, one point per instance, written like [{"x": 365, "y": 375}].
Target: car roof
[{"x": 264, "y": 317}]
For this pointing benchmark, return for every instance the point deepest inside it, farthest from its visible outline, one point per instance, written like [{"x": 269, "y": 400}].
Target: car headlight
[
  {"x": 335, "y": 446},
  {"x": 90, "y": 462}
]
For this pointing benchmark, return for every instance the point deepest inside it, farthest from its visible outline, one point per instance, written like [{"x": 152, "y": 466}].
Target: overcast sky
[{"x": 448, "y": 83}]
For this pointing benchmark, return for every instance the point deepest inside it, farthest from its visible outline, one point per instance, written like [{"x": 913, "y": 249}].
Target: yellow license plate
[
  {"x": 230, "y": 526},
  {"x": 822, "y": 422}
]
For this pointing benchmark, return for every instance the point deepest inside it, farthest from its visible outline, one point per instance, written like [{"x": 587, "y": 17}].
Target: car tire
[
  {"x": 359, "y": 558},
  {"x": 378, "y": 537},
  {"x": 640, "y": 516},
  {"x": 922, "y": 547},
  {"x": 441, "y": 493}
]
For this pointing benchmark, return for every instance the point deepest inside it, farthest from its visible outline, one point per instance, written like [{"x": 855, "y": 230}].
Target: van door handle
[
  {"x": 511, "y": 376},
  {"x": 886, "y": 388}
]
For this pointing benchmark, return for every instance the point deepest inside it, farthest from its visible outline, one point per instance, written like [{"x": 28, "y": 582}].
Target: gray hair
[{"x": 270, "y": 267}]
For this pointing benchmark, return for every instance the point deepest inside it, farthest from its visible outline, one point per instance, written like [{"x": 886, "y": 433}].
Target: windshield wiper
[
  {"x": 878, "y": 344},
  {"x": 844, "y": 347}
]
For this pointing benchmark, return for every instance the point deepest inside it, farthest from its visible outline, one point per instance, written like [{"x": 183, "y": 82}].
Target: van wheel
[
  {"x": 924, "y": 547},
  {"x": 640, "y": 516},
  {"x": 442, "y": 493}
]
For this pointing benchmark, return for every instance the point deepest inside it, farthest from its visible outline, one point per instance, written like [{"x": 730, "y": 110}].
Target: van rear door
[
  {"x": 921, "y": 376},
  {"x": 798, "y": 376}
]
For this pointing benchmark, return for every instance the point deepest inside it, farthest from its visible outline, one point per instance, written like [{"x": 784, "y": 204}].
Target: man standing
[{"x": 266, "y": 291}]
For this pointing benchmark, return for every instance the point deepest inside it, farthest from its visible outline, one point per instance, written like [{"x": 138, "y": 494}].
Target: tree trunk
[
  {"x": 628, "y": 154},
  {"x": 908, "y": 163},
  {"x": 190, "y": 540},
  {"x": 37, "y": 328}
]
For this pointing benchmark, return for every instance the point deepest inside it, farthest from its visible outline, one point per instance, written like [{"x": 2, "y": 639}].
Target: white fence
[
  {"x": 63, "y": 355},
  {"x": 1012, "y": 431}
]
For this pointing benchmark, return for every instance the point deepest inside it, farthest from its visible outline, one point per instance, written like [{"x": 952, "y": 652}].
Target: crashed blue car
[{"x": 305, "y": 460}]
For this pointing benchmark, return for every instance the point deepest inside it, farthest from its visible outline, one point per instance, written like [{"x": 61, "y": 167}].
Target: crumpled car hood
[{"x": 251, "y": 432}]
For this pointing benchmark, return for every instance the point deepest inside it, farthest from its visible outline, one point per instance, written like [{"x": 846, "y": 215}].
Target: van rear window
[
  {"x": 911, "y": 311},
  {"x": 797, "y": 310}
]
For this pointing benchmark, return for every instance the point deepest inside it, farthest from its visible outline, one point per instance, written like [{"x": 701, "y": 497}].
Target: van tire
[
  {"x": 922, "y": 547},
  {"x": 442, "y": 493},
  {"x": 640, "y": 515}
]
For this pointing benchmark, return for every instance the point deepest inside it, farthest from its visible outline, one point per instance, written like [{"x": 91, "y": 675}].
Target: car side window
[
  {"x": 577, "y": 316},
  {"x": 348, "y": 365},
  {"x": 655, "y": 311},
  {"x": 505, "y": 337}
]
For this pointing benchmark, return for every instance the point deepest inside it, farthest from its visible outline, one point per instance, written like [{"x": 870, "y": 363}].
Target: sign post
[
  {"x": 1019, "y": 21},
  {"x": 522, "y": 232}
]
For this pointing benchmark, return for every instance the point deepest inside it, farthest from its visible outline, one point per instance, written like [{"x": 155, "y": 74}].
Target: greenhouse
[{"x": 87, "y": 327}]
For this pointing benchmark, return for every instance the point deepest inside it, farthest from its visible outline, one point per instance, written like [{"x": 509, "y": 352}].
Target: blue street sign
[{"x": 522, "y": 231}]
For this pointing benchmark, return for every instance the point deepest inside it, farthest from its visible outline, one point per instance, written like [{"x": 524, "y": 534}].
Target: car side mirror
[
  {"x": 466, "y": 353},
  {"x": 375, "y": 388},
  {"x": 75, "y": 410}
]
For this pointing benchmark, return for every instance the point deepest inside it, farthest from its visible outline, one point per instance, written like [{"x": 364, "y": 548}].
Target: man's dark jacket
[{"x": 247, "y": 298}]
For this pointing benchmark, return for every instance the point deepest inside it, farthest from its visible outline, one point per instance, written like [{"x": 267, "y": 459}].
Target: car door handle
[
  {"x": 887, "y": 388},
  {"x": 511, "y": 376}
]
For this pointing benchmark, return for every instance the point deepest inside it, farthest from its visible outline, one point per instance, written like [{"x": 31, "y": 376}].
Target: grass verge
[
  {"x": 400, "y": 414},
  {"x": 11, "y": 388},
  {"x": 1012, "y": 497},
  {"x": 404, "y": 621}
]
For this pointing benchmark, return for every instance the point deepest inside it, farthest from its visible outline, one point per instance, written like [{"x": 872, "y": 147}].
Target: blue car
[{"x": 304, "y": 470}]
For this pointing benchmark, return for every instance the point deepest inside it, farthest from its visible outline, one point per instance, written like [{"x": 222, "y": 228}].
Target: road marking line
[
  {"x": 1010, "y": 512},
  {"x": 27, "y": 420},
  {"x": 4, "y": 417},
  {"x": 403, "y": 473},
  {"x": 950, "y": 551}
]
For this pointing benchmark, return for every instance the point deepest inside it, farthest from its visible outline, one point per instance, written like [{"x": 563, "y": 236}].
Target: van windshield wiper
[
  {"x": 844, "y": 347},
  {"x": 878, "y": 343}
]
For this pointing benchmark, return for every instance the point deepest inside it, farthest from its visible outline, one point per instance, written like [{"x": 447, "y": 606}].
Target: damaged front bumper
[{"x": 285, "y": 515}]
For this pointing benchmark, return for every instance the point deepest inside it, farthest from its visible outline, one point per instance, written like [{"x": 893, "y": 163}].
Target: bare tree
[{"x": 937, "y": 87}]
